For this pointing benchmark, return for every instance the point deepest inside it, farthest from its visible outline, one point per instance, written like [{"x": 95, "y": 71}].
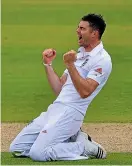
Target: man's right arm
[{"x": 55, "y": 82}]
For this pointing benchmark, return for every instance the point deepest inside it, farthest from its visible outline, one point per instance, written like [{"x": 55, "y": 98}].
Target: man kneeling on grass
[{"x": 56, "y": 134}]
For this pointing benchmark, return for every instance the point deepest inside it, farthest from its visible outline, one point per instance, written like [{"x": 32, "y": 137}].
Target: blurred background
[{"x": 30, "y": 26}]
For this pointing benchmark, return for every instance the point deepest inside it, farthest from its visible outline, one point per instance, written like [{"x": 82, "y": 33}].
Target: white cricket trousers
[{"x": 48, "y": 136}]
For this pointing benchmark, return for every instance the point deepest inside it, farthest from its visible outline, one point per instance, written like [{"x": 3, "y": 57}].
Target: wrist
[
  {"x": 47, "y": 64},
  {"x": 70, "y": 65}
]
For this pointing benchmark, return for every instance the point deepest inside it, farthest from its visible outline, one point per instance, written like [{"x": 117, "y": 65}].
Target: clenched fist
[
  {"x": 48, "y": 55},
  {"x": 70, "y": 57}
]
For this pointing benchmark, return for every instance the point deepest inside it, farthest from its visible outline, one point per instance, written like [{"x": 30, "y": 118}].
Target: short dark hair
[{"x": 96, "y": 21}]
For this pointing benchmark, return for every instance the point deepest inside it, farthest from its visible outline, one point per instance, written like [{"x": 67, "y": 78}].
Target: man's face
[{"x": 85, "y": 34}]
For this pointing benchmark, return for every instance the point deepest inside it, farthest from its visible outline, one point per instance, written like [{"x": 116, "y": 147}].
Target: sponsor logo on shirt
[
  {"x": 99, "y": 70},
  {"x": 44, "y": 131},
  {"x": 85, "y": 62}
]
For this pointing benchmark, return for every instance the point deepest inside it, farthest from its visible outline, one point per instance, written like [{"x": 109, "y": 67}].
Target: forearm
[
  {"x": 53, "y": 79},
  {"x": 81, "y": 84}
]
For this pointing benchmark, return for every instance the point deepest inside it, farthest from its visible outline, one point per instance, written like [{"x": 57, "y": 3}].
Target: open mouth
[{"x": 80, "y": 37}]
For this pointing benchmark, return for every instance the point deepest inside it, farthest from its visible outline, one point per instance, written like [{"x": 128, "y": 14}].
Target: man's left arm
[
  {"x": 85, "y": 87},
  {"x": 98, "y": 74}
]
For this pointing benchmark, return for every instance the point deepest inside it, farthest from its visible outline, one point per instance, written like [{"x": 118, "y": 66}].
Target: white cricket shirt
[{"x": 96, "y": 65}]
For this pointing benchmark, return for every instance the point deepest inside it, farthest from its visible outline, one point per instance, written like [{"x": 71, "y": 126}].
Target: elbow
[
  {"x": 84, "y": 95},
  {"x": 57, "y": 92}
]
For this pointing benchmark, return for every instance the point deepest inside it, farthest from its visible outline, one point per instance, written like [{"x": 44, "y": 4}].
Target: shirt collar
[{"x": 97, "y": 49}]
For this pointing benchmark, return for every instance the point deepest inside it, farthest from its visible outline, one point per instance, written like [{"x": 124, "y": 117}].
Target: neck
[{"x": 91, "y": 46}]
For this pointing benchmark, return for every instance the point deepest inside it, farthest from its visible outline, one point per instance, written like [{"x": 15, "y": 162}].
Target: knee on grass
[
  {"x": 12, "y": 148},
  {"x": 46, "y": 154},
  {"x": 17, "y": 151}
]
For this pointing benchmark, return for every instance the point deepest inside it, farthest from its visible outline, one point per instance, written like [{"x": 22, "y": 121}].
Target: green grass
[
  {"x": 28, "y": 27},
  {"x": 112, "y": 159}
]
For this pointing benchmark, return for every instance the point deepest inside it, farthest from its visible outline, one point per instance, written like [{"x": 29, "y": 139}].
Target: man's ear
[{"x": 95, "y": 33}]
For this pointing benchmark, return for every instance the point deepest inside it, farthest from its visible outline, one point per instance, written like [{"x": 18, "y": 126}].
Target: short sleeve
[{"x": 101, "y": 71}]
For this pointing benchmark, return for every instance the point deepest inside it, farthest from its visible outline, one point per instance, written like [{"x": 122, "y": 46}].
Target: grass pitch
[
  {"x": 28, "y": 27},
  {"x": 112, "y": 159}
]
